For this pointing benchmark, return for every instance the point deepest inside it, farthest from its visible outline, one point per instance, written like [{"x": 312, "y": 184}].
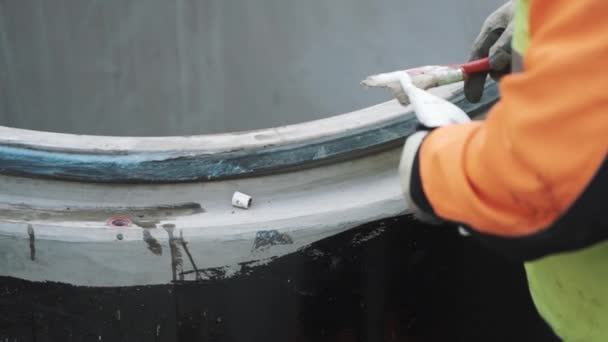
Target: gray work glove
[{"x": 494, "y": 41}]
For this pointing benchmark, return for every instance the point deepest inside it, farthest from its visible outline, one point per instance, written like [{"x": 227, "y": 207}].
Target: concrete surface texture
[
  {"x": 53, "y": 230},
  {"x": 181, "y": 67}
]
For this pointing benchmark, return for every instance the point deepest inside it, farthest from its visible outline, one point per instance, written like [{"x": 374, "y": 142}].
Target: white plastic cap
[{"x": 241, "y": 200}]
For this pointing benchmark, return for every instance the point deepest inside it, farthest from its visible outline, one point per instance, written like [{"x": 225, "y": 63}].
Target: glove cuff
[
  {"x": 411, "y": 183},
  {"x": 417, "y": 194}
]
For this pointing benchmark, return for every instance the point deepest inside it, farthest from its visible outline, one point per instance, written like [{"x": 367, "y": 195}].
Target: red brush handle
[{"x": 480, "y": 65}]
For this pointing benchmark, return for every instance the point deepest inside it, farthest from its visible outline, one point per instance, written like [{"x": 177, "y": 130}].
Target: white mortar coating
[{"x": 306, "y": 205}]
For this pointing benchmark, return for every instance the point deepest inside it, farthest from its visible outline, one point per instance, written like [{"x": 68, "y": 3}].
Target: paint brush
[
  {"x": 426, "y": 77},
  {"x": 408, "y": 86}
]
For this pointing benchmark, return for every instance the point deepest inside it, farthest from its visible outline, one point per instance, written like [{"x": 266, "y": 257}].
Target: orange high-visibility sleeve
[{"x": 542, "y": 143}]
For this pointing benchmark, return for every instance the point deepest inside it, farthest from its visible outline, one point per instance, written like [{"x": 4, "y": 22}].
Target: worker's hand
[{"x": 494, "y": 41}]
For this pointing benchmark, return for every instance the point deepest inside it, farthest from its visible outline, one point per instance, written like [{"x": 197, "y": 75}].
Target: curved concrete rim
[
  {"x": 52, "y": 230},
  {"x": 108, "y": 159}
]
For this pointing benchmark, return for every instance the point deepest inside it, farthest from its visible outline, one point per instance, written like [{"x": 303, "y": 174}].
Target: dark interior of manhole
[
  {"x": 168, "y": 67},
  {"x": 394, "y": 280}
]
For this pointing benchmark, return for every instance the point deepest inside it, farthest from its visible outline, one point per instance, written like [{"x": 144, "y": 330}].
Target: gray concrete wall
[{"x": 179, "y": 67}]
